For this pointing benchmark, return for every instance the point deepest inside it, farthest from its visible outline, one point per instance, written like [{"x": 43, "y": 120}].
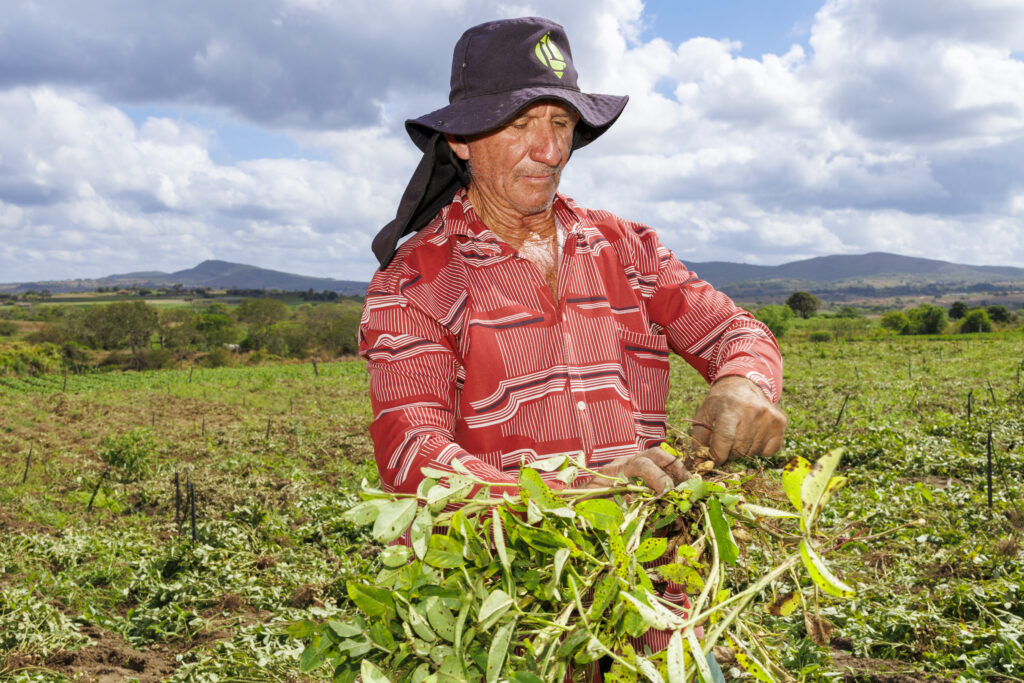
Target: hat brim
[{"x": 483, "y": 113}]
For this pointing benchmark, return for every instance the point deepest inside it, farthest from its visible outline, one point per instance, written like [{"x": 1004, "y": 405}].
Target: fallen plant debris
[{"x": 530, "y": 587}]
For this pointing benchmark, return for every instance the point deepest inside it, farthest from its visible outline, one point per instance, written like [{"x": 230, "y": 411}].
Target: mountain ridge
[{"x": 822, "y": 273}]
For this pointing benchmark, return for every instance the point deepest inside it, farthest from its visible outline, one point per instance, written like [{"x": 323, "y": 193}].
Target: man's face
[{"x": 516, "y": 169}]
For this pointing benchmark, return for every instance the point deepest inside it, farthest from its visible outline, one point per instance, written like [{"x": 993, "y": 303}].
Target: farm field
[{"x": 100, "y": 578}]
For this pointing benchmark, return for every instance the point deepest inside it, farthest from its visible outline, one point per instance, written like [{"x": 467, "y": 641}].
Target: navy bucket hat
[{"x": 498, "y": 69}]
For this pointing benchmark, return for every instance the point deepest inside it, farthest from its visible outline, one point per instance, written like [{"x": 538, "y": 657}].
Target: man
[{"x": 515, "y": 324}]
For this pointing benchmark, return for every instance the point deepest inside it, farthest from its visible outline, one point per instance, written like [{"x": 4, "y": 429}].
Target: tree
[
  {"x": 848, "y": 312},
  {"x": 927, "y": 319},
  {"x": 121, "y": 324},
  {"x": 957, "y": 310},
  {"x": 998, "y": 314},
  {"x": 179, "y": 329},
  {"x": 260, "y": 315},
  {"x": 976, "y": 320},
  {"x": 896, "y": 321},
  {"x": 777, "y": 318},
  {"x": 804, "y": 304}
]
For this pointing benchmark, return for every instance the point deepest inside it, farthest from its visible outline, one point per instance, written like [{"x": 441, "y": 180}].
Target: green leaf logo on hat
[{"x": 550, "y": 56}]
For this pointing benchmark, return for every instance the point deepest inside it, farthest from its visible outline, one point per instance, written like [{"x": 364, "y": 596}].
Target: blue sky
[{"x": 152, "y": 136}]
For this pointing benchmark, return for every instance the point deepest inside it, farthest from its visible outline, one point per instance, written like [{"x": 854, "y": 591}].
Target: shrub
[
  {"x": 127, "y": 452},
  {"x": 957, "y": 310},
  {"x": 820, "y": 336},
  {"x": 976, "y": 320},
  {"x": 157, "y": 359},
  {"x": 777, "y": 318},
  {"x": 218, "y": 357},
  {"x": 926, "y": 319},
  {"x": 7, "y": 328},
  {"x": 895, "y": 321}
]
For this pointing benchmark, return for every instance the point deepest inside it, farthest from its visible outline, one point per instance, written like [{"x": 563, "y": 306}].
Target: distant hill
[
  {"x": 213, "y": 274},
  {"x": 874, "y": 266},
  {"x": 833, "y": 277}
]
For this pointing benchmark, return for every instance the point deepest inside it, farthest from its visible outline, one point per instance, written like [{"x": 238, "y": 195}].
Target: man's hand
[
  {"x": 659, "y": 470},
  {"x": 741, "y": 419}
]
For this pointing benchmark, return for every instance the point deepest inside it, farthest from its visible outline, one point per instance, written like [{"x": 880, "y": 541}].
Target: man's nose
[{"x": 545, "y": 147}]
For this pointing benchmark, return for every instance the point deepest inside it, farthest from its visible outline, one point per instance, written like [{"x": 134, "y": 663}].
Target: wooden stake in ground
[
  {"x": 266, "y": 436},
  {"x": 190, "y": 369},
  {"x": 970, "y": 400},
  {"x": 316, "y": 371},
  {"x": 96, "y": 488},
  {"x": 28, "y": 463},
  {"x": 65, "y": 387},
  {"x": 841, "y": 409},
  {"x": 177, "y": 500},
  {"x": 192, "y": 508},
  {"x": 989, "y": 449}
]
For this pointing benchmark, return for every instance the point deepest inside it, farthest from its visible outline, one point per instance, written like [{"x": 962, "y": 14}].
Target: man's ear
[{"x": 458, "y": 145}]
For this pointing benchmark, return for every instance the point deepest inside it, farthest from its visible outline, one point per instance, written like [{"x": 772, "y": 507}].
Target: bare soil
[{"x": 108, "y": 660}]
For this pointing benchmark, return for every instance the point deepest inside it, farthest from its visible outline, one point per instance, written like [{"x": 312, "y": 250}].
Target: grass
[{"x": 122, "y": 585}]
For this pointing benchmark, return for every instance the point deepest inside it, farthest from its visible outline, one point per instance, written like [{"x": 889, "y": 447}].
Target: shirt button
[{"x": 581, "y": 405}]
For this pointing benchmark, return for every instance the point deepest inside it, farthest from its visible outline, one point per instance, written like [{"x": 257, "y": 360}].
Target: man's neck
[{"x": 511, "y": 226}]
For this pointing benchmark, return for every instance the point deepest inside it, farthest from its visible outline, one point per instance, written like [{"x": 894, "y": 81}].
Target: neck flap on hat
[{"x": 434, "y": 183}]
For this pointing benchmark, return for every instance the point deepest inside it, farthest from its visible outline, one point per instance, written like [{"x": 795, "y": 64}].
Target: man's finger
[
  {"x": 701, "y": 433},
  {"x": 653, "y": 476},
  {"x": 668, "y": 462},
  {"x": 722, "y": 439}
]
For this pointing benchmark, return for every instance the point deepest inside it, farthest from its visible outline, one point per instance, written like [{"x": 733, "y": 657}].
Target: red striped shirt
[{"x": 471, "y": 357}]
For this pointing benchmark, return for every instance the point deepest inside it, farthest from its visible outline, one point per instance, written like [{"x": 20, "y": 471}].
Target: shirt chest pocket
[{"x": 645, "y": 363}]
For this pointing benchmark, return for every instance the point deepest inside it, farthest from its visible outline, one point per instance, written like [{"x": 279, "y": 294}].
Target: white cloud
[{"x": 899, "y": 128}]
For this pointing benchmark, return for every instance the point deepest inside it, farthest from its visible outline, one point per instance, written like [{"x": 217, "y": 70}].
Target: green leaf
[
  {"x": 343, "y": 630},
  {"x": 651, "y": 549},
  {"x": 648, "y": 669},
  {"x": 600, "y": 513},
  {"x": 381, "y": 635},
  {"x": 684, "y": 575},
  {"x": 820, "y": 573},
  {"x": 754, "y": 511},
  {"x": 749, "y": 662},
  {"x": 697, "y": 489},
  {"x": 498, "y": 533},
  {"x": 395, "y": 555},
  {"x": 815, "y": 484},
  {"x": 784, "y": 605},
  {"x": 314, "y": 654},
  {"x": 727, "y": 548},
  {"x": 371, "y": 674},
  {"x": 548, "y": 464},
  {"x": 374, "y": 602},
  {"x": 532, "y": 486},
  {"x": 420, "y": 531},
  {"x": 394, "y": 519},
  {"x": 494, "y": 605},
  {"x": 419, "y": 624},
  {"x": 499, "y": 648},
  {"x": 603, "y": 596},
  {"x": 793, "y": 475},
  {"x": 364, "y": 513},
  {"x": 675, "y": 657},
  {"x": 444, "y": 552},
  {"x": 652, "y": 619},
  {"x": 440, "y": 618},
  {"x": 703, "y": 670}
]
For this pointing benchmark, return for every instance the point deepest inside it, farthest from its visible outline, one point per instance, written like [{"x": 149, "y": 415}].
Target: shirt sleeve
[
  {"x": 704, "y": 326},
  {"x": 413, "y": 370}
]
